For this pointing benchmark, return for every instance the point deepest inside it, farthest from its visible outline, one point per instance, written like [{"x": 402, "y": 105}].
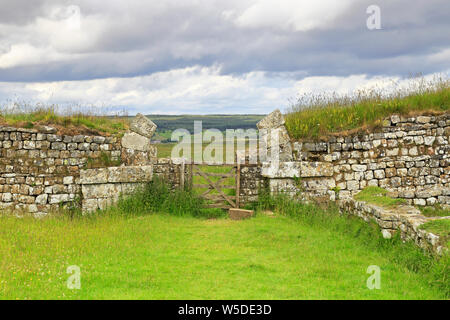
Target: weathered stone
[
  {"x": 46, "y": 129},
  {"x": 130, "y": 174},
  {"x": 272, "y": 121},
  {"x": 395, "y": 119},
  {"x": 143, "y": 126},
  {"x": 282, "y": 170},
  {"x": 68, "y": 180},
  {"x": 58, "y": 146},
  {"x": 7, "y": 197},
  {"x": 94, "y": 176},
  {"x": 93, "y": 191},
  {"x": 423, "y": 119},
  {"x": 316, "y": 169},
  {"x": 90, "y": 205},
  {"x": 240, "y": 214},
  {"x": 58, "y": 198},
  {"x": 135, "y": 141},
  {"x": 359, "y": 167},
  {"x": 379, "y": 174},
  {"x": 429, "y": 192},
  {"x": 42, "y": 199}
]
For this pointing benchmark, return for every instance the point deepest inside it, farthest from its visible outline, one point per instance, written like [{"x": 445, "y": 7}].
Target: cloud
[
  {"x": 296, "y": 15},
  {"x": 192, "y": 90},
  {"x": 316, "y": 38},
  {"x": 66, "y": 44}
]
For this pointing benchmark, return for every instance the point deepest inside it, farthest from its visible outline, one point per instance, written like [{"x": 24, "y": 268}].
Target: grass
[
  {"x": 313, "y": 117},
  {"x": 435, "y": 211},
  {"x": 129, "y": 252},
  {"x": 170, "y": 257},
  {"x": 439, "y": 227},
  {"x": 67, "y": 120},
  {"x": 378, "y": 196}
]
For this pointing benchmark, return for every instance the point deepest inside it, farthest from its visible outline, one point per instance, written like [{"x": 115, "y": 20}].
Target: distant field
[
  {"x": 221, "y": 122},
  {"x": 165, "y": 150},
  {"x": 168, "y": 123}
]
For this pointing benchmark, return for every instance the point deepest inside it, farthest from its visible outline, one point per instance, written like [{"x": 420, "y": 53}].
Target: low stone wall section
[
  {"x": 103, "y": 186},
  {"x": 404, "y": 219}
]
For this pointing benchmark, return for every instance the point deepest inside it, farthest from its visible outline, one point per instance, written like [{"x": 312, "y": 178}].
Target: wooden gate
[{"x": 216, "y": 183}]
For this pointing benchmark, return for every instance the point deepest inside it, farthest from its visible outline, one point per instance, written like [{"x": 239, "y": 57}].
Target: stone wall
[
  {"x": 409, "y": 156},
  {"x": 404, "y": 219},
  {"x": 40, "y": 170},
  {"x": 251, "y": 182},
  {"x": 170, "y": 171},
  {"x": 102, "y": 187}
]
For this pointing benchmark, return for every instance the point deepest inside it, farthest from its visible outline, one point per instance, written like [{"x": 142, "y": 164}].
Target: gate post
[
  {"x": 238, "y": 183},
  {"x": 182, "y": 168}
]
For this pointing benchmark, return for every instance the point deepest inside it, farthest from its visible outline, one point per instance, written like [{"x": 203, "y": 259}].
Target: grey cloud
[{"x": 144, "y": 37}]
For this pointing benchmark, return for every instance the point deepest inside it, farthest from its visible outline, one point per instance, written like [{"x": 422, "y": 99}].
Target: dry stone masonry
[
  {"x": 103, "y": 186},
  {"x": 408, "y": 156},
  {"x": 40, "y": 170},
  {"x": 404, "y": 219}
]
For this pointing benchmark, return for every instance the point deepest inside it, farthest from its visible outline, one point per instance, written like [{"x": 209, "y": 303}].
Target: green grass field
[{"x": 161, "y": 256}]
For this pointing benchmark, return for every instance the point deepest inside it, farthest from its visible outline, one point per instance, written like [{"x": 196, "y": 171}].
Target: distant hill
[{"x": 221, "y": 122}]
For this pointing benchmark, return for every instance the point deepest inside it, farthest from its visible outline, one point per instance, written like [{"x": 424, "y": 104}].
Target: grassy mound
[
  {"x": 378, "y": 196},
  {"x": 321, "y": 115},
  {"x": 439, "y": 227},
  {"x": 66, "y": 120}
]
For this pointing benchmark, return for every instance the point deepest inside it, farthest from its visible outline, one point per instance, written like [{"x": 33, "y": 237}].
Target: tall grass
[
  {"x": 29, "y": 115},
  {"x": 317, "y": 115},
  {"x": 435, "y": 269},
  {"x": 157, "y": 197}
]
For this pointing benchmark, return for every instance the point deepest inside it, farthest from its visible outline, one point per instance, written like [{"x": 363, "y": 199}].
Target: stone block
[
  {"x": 273, "y": 120},
  {"x": 136, "y": 142},
  {"x": 130, "y": 174},
  {"x": 143, "y": 126},
  {"x": 108, "y": 190},
  {"x": 94, "y": 176},
  {"x": 240, "y": 214},
  {"x": 316, "y": 169},
  {"x": 41, "y": 199}
]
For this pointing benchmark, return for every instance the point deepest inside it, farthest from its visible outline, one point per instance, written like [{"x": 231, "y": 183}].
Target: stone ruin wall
[
  {"x": 40, "y": 170},
  {"x": 408, "y": 156},
  {"x": 102, "y": 187}
]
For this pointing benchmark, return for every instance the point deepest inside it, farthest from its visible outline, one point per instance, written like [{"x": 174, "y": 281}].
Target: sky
[{"x": 213, "y": 56}]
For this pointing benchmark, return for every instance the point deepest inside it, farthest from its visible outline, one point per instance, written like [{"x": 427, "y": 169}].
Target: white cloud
[
  {"x": 196, "y": 90},
  {"x": 24, "y": 54},
  {"x": 61, "y": 35},
  {"x": 298, "y": 15}
]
